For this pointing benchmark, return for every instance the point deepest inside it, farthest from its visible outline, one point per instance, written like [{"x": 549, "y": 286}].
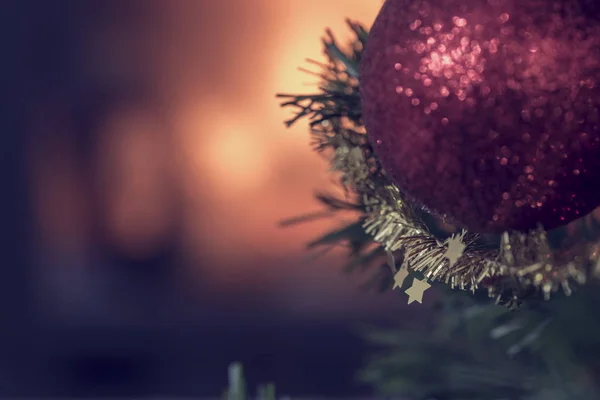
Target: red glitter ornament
[{"x": 485, "y": 112}]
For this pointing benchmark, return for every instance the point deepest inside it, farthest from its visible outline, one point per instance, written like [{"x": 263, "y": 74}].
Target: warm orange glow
[
  {"x": 242, "y": 170},
  {"x": 234, "y": 155},
  {"x": 253, "y": 171},
  {"x": 135, "y": 179}
]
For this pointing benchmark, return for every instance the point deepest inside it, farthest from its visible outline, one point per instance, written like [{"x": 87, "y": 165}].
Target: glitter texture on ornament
[
  {"x": 499, "y": 138},
  {"x": 485, "y": 112}
]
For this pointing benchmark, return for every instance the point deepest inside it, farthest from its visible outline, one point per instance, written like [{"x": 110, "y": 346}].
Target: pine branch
[
  {"x": 334, "y": 114},
  {"x": 338, "y": 96}
]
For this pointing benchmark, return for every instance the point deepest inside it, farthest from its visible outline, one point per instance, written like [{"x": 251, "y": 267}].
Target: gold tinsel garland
[{"x": 521, "y": 265}]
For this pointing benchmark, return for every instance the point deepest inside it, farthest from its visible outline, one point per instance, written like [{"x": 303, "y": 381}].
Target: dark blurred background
[{"x": 146, "y": 167}]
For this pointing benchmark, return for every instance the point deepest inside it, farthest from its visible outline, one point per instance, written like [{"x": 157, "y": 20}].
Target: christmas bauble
[{"x": 485, "y": 112}]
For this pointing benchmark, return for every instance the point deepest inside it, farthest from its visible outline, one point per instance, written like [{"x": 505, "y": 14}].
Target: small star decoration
[
  {"x": 400, "y": 274},
  {"x": 415, "y": 292},
  {"x": 455, "y": 248},
  {"x": 400, "y": 277}
]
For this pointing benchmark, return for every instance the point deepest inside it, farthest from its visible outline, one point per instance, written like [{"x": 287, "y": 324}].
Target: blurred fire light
[
  {"x": 235, "y": 161},
  {"x": 242, "y": 170},
  {"x": 136, "y": 181},
  {"x": 250, "y": 169}
]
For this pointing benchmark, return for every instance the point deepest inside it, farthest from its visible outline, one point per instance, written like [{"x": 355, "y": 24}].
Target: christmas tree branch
[
  {"x": 511, "y": 268},
  {"x": 335, "y": 120}
]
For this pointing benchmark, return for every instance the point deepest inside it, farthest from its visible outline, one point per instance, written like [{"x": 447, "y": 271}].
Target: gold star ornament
[
  {"x": 400, "y": 277},
  {"x": 415, "y": 292},
  {"x": 455, "y": 248},
  {"x": 400, "y": 274}
]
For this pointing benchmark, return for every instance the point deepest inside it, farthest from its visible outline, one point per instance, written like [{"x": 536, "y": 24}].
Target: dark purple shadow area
[{"x": 301, "y": 359}]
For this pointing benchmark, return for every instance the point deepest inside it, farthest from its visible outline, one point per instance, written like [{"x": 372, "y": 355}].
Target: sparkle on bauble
[{"x": 485, "y": 112}]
